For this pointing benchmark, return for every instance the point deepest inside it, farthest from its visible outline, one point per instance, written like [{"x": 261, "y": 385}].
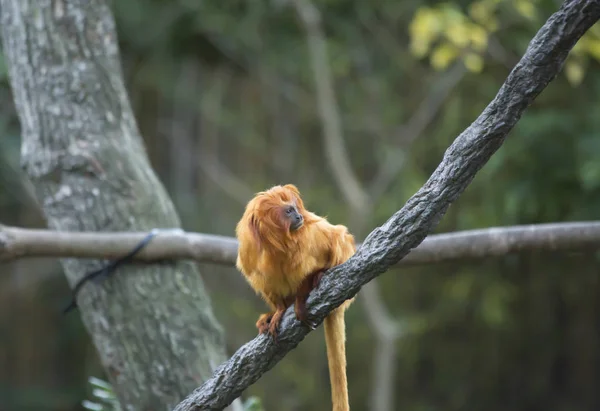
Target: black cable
[{"x": 108, "y": 269}]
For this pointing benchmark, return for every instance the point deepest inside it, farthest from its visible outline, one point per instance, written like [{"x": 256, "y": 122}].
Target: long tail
[{"x": 335, "y": 339}]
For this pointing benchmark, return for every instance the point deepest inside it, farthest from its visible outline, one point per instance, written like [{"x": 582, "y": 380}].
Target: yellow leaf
[
  {"x": 479, "y": 37},
  {"x": 480, "y": 11},
  {"x": 452, "y": 14},
  {"x": 443, "y": 55},
  {"x": 419, "y": 46},
  {"x": 424, "y": 29},
  {"x": 458, "y": 33},
  {"x": 473, "y": 62},
  {"x": 483, "y": 12},
  {"x": 426, "y": 23},
  {"x": 525, "y": 8},
  {"x": 574, "y": 72}
]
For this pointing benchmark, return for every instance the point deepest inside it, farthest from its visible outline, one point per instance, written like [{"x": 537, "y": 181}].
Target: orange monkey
[{"x": 283, "y": 251}]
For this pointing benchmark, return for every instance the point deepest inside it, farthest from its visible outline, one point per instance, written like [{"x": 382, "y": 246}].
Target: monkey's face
[
  {"x": 293, "y": 217},
  {"x": 277, "y": 211}
]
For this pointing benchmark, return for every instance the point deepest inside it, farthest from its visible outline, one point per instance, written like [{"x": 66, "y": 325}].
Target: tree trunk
[{"x": 153, "y": 326}]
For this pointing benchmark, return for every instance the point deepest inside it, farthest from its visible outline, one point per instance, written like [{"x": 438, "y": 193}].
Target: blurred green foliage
[
  {"x": 233, "y": 81},
  {"x": 446, "y": 33}
]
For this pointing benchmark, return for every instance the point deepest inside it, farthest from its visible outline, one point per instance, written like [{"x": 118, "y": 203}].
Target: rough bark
[
  {"x": 465, "y": 245},
  {"x": 388, "y": 244},
  {"x": 153, "y": 327}
]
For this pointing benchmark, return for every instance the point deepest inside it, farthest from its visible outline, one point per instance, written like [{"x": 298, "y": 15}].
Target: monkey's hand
[
  {"x": 263, "y": 322},
  {"x": 269, "y": 322},
  {"x": 316, "y": 278},
  {"x": 275, "y": 320},
  {"x": 309, "y": 284}
]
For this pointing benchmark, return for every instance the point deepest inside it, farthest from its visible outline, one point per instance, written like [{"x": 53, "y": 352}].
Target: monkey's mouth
[{"x": 297, "y": 224}]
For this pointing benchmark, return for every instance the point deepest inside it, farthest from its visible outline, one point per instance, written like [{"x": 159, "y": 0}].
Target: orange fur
[{"x": 279, "y": 263}]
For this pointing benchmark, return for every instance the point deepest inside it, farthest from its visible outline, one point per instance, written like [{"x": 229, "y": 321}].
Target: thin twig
[
  {"x": 228, "y": 182},
  {"x": 328, "y": 107},
  {"x": 416, "y": 125},
  {"x": 357, "y": 197},
  {"x": 360, "y": 201}
]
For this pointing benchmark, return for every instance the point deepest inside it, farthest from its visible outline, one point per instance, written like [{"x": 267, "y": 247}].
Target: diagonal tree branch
[{"x": 388, "y": 244}]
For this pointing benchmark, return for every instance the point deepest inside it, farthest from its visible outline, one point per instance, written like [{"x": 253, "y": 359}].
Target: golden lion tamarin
[{"x": 283, "y": 251}]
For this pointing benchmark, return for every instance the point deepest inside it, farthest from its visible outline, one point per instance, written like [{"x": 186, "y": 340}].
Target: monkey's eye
[{"x": 289, "y": 210}]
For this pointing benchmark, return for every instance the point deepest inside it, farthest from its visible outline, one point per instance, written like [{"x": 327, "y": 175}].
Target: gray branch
[
  {"x": 388, "y": 244},
  {"x": 16, "y": 243}
]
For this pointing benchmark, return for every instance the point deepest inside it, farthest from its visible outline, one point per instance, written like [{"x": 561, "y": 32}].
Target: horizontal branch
[
  {"x": 175, "y": 244},
  {"x": 407, "y": 228},
  {"x": 18, "y": 243}
]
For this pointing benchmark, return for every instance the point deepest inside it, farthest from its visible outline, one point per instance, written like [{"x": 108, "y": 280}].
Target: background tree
[{"x": 82, "y": 152}]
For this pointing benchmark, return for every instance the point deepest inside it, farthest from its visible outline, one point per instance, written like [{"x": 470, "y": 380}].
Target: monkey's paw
[
  {"x": 274, "y": 324},
  {"x": 263, "y": 322},
  {"x": 317, "y": 279},
  {"x": 302, "y": 316}
]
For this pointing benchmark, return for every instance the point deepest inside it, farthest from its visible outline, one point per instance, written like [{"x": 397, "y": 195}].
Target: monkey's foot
[
  {"x": 316, "y": 278},
  {"x": 263, "y": 322},
  {"x": 308, "y": 284},
  {"x": 302, "y": 316},
  {"x": 274, "y": 324}
]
